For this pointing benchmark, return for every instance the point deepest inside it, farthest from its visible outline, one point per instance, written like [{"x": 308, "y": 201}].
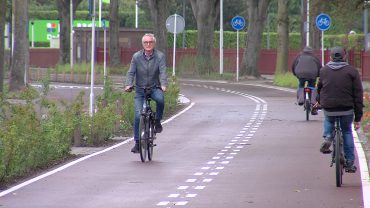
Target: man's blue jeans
[
  {"x": 311, "y": 82},
  {"x": 346, "y": 126},
  {"x": 157, "y": 96}
]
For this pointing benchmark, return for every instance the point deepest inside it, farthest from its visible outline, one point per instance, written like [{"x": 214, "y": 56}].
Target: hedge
[{"x": 348, "y": 41}]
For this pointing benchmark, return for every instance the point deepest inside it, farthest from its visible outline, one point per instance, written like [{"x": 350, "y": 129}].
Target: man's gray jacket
[{"x": 147, "y": 73}]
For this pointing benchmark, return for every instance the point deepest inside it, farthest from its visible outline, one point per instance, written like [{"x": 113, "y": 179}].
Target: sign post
[
  {"x": 175, "y": 24},
  {"x": 323, "y": 22},
  {"x": 238, "y": 23}
]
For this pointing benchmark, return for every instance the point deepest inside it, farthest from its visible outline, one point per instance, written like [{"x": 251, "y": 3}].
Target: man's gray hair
[{"x": 150, "y": 35}]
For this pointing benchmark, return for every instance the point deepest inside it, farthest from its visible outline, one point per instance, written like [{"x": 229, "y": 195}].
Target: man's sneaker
[
  {"x": 158, "y": 126},
  {"x": 314, "y": 111},
  {"x": 135, "y": 149},
  {"x": 325, "y": 145},
  {"x": 350, "y": 166}
]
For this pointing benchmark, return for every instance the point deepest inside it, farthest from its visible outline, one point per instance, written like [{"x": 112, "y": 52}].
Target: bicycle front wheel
[
  {"x": 151, "y": 142},
  {"x": 143, "y": 139},
  {"x": 338, "y": 162}
]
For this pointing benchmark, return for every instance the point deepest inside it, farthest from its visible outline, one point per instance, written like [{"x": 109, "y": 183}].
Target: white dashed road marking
[{"x": 222, "y": 158}]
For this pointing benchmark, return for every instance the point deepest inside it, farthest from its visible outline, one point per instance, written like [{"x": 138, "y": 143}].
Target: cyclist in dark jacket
[
  {"x": 340, "y": 95},
  {"x": 148, "y": 69},
  {"x": 306, "y": 67}
]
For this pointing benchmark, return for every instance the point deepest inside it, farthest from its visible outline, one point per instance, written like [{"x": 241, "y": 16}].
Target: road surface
[{"x": 236, "y": 145}]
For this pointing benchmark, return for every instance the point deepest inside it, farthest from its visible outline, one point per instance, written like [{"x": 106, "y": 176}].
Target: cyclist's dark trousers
[
  {"x": 346, "y": 126},
  {"x": 311, "y": 82},
  {"x": 157, "y": 96}
]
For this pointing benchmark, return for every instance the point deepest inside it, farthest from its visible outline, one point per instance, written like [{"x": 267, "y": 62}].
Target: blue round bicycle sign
[
  {"x": 238, "y": 23},
  {"x": 323, "y": 22}
]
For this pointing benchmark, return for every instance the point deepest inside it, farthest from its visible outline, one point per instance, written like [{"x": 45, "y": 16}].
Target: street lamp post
[
  {"x": 308, "y": 24},
  {"x": 221, "y": 38},
  {"x": 92, "y": 59},
  {"x": 71, "y": 35},
  {"x": 137, "y": 14}
]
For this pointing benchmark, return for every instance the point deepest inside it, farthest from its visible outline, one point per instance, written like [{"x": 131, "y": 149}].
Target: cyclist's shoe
[
  {"x": 314, "y": 111},
  {"x": 158, "y": 126},
  {"x": 350, "y": 166},
  {"x": 135, "y": 149},
  {"x": 325, "y": 146}
]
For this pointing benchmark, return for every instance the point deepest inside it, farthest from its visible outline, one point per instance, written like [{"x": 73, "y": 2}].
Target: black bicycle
[
  {"x": 338, "y": 153},
  {"x": 147, "y": 133},
  {"x": 307, "y": 104}
]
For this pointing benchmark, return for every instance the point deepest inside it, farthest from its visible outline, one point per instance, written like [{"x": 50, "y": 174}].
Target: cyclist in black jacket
[
  {"x": 306, "y": 67},
  {"x": 340, "y": 95}
]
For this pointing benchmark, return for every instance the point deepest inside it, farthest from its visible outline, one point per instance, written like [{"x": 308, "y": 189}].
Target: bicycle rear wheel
[
  {"x": 307, "y": 106},
  {"x": 143, "y": 139},
  {"x": 338, "y": 162}
]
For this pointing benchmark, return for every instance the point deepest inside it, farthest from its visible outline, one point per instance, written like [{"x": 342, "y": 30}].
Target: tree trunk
[
  {"x": 114, "y": 47},
  {"x": 315, "y": 8},
  {"x": 205, "y": 13},
  {"x": 283, "y": 37},
  {"x": 3, "y": 4},
  {"x": 65, "y": 28},
  {"x": 159, "y": 12},
  {"x": 20, "y": 56},
  {"x": 257, "y": 13}
]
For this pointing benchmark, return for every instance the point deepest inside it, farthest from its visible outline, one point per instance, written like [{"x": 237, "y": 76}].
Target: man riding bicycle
[
  {"x": 340, "y": 95},
  {"x": 148, "y": 69},
  {"x": 306, "y": 67}
]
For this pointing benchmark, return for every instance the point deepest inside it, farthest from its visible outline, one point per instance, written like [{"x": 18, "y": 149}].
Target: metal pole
[
  {"x": 100, "y": 6},
  {"x": 268, "y": 31},
  {"x": 365, "y": 25},
  {"x": 237, "y": 55},
  {"x": 92, "y": 62},
  {"x": 221, "y": 38},
  {"x": 71, "y": 35},
  {"x": 322, "y": 48},
  {"x": 183, "y": 15},
  {"x": 33, "y": 35},
  {"x": 137, "y": 14},
  {"x": 174, "y": 47},
  {"x": 308, "y": 24},
  {"x": 105, "y": 51}
]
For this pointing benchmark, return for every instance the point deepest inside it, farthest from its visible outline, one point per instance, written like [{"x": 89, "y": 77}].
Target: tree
[
  {"x": 114, "y": 48},
  {"x": 205, "y": 13},
  {"x": 283, "y": 37},
  {"x": 65, "y": 28},
  {"x": 20, "y": 54},
  {"x": 257, "y": 13},
  {"x": 159, "y": 12},
  {"x": 2, "y": 52}
]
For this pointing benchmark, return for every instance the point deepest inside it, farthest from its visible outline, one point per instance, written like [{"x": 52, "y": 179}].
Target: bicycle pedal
[{"x": 154, "y": 145}]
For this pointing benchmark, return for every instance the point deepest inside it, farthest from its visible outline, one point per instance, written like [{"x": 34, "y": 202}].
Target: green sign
[{"x": 44, "y": 30}]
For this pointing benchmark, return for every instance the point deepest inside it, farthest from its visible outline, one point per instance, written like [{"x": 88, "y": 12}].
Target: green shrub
[
  {"x": 32, "y": 139},
  {"x": 30, "y": 142},
  {"x": 286, "y": 80},
  {"x": 348, "y": 41}
]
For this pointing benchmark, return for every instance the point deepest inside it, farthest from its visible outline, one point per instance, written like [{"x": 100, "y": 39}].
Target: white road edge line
[
  {"x": 364, "y": 170},
  {"x": 14, "y": 188}
]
